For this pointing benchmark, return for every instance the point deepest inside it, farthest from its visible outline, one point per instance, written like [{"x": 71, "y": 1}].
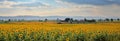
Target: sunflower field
[{"x": 50, "y": 31}]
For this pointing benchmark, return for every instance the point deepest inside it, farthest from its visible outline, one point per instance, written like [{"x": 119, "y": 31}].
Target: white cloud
[
  {"x": 64, "y": 9},
  {"x": 12, "y": 4}
]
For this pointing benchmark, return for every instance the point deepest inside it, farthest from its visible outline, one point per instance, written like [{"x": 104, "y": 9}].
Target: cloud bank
[{"x": 60, "y": 7}]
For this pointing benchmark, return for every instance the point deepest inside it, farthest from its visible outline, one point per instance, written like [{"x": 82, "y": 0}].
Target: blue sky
[
  {"x": 95, "y": 2},
  {"x": 60, "y": 7}
]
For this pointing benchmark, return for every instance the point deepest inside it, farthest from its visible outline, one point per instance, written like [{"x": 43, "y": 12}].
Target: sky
[{"x": 60, "y": 7}]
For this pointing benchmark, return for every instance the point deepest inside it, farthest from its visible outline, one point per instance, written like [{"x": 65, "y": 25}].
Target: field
[{"x": 50, "y": 31}]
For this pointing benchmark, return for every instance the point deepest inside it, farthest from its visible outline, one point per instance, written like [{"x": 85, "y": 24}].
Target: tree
[
  {"x": 100, "y": 20},
  {"x": 107, "y": 19},
  {"x": 67, "y": 19},
  {"x": 9, "y": 20},
  {"x": 85, "y": 19},
  {"x": 118, "y": 19},
  {"x": 76, "y": 21},
  {"x": 111, "y": 20},
  {"x": 46, "y": 20},
  {"x": 93, "y": 20},
  {"x": 71, "y": 20}
]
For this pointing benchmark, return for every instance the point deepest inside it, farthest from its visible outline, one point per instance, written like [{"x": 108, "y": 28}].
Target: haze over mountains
[{"x": 52, "y": 17}]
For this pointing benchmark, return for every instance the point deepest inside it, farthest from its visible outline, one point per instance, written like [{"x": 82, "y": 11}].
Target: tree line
[
  {"x": 66, "y": 20},
  {"x": 85, "y": 20}
]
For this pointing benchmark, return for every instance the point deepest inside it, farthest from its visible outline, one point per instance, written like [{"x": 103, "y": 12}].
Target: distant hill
[{"x": 50, "y": 17}]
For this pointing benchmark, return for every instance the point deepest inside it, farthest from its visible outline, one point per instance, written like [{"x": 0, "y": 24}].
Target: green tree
[
  {"x": 107, "y": 19},
  {"x": 111, "y": 20},
  {"x": 118, "y": 19},
  {"x": 85, "y": 19},
  {"x": 67, "y": 19},
  {"x": 46, "y": 20},
  {"x": 9, "y": 20}
]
